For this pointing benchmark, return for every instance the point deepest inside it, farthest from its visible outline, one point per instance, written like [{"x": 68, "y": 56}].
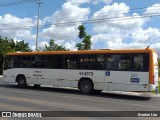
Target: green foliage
[
  {"x": 86, "y": 42},
  {"x": 79, "y": 46},
  {"x": 159, "y": 67},
  {"x": 7, "y": 45},
  {"x": 54, "y": 47},
  {"x": 82, "y": 33},
  {"x": 19, "y": 46}
]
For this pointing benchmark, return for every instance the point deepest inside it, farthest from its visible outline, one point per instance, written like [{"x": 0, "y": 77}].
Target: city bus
[{"x": 86, "y": 70}]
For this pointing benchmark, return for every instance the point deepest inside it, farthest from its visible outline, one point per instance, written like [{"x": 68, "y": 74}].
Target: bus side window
[
  {"x": 9, "y": 63},
  {"x": 118, "y": 62},
  {"x": 112, "y": 62},
  {"x": 138, "y": 62},
  {"x": 39, "y": 61},
  {"x": 89, "y": 62},
  {"x": 125, "y": 62},
  {"x": 100, "y": 62},
  {"x": 71, "y": 61}
]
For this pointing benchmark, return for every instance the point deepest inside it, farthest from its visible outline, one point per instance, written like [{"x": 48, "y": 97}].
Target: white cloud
[
  {"x": 105, "y": 1},
  {"x": 124, "y": 34},
  {"x": 150, "y": 35},
  {"x": 70, "y": 45},
  {"x": 12, "y": 20},
  {"x": 33, "y": 47},
  {"x": 65, "y": 22},
  {"x": 78, "y": 2},
  {"x": 12, "y": 26},
  {"x": 60, "y": 33},
  {"x": 154, "y": 9},
  {"x": 119, "y": 29},
  {"x": 70, "y": 13},
  {"x": 108, "y": 40},
  {"x": 139, "y": 39},
  {"x": 43, "y": 44},
  {"x": 116, "y": 19},
  {"x": 26, "y": 34}
]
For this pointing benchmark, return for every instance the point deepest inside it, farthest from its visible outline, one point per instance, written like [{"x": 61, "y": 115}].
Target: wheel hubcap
[
  {"x": 21, "y": 82},
  {"x": 86, "y": 87}
]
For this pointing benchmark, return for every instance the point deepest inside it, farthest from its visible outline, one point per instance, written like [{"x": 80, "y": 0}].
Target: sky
[{"x": 113, "y": 24}]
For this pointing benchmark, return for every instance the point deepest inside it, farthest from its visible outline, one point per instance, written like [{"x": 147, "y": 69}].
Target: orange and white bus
[{"x": 92, "y": 70}]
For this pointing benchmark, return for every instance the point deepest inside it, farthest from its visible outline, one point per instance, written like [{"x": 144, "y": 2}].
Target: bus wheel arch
[
  {"x": 21, "y": 80},
  {"x": 86, "y": 85}
]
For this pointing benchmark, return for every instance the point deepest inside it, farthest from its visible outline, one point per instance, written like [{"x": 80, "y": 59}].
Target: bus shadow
[{"x": 77, "y": 92}]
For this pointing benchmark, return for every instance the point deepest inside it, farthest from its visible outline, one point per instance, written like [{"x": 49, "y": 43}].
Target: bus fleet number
[{"x": 86, "y": 73}]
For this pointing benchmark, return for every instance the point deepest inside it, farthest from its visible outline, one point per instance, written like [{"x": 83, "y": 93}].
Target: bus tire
[
  {"x": 36, "y": 86},
  {"x": 21, "y": 82},
  {"x": 86, "y": 87}
]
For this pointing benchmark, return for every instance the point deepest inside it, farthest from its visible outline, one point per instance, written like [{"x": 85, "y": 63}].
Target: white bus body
[{"x": 105, "y": 79}]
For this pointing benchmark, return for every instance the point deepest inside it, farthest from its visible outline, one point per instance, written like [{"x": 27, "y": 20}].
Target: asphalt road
[{"x": 13, "y": 98}]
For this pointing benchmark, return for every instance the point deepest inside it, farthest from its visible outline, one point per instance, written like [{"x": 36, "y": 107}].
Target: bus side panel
[
  {"x": 70, "y": 78},
  {"x": 128, "y": 81},
  {"x": 9, "y": 76}
]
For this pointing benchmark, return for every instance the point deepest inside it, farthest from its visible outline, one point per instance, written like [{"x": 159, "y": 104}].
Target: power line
[
  {"x": 70, "y": 19},
  {"x": 18, "y": 2},
  {"x": 84, "y": 22},
  {"x": 105, "y": 20},
  {"x": 79, "y": 19},
  {"x": 10, "y": 3},
  {"x": 111, "y": 13}
]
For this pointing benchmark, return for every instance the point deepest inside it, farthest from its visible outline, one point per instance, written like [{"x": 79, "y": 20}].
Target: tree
[
  {"x": 7, "y": 45},
  {"x": 79, "y": 46},
  {"x": 4, "y": 48},
  {"x": 54, "y": 47},
  {"x": 86, "y": 42},
  {"x": 19, "y": 46},
  {"x": 82, "y": 33}
]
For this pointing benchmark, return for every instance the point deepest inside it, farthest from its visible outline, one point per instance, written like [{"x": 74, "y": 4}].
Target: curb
[{"x": 133, "y": 94}]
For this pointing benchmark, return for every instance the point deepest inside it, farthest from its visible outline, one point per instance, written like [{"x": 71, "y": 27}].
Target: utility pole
[{"x": 39, "y": 3}]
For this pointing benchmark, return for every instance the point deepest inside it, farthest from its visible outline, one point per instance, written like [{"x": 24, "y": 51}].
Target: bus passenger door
[
  {"x": 112, "y": 72},
  {"x": 41, "y": 71},
  {"x": 106, "y": 79}
]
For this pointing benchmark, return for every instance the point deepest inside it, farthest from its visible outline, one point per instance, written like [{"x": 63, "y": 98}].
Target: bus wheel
[
  {"x": 86, "y": 87},
  {"x": 22, "y": 82},
  {"x": 36, "y": 86}
]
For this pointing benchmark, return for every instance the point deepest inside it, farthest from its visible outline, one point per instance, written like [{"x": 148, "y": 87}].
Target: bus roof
[{"x": 85, "y": 52}]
